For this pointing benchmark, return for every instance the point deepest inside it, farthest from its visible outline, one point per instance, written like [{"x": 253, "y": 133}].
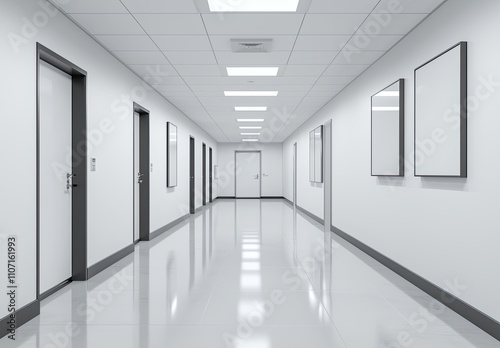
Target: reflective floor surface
[{"x": 247, "y": 274}]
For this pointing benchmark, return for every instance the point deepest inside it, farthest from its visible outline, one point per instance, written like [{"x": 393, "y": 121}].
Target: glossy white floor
[{"x": 247, "y": 273}]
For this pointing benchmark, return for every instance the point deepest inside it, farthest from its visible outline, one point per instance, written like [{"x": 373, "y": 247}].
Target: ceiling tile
[
  {"x": 163, "y": 6},
  {"x": 175, "y": 88},
  {"x": 198, "y": 88},
  {"x": 358, "y": 57},
  {"x": 280, "y": 42},
  {"x": 334, "y": 80},
  {"x": 171, "y": 24},
  {"x": 235, "y": 59},
  {"x": 325, "y": 90},
  {"x": 305, "y": 70},
  {"x": 270, "y": 81},
  {"x": 342, "y": 6},
  {"x": 246, "y": 24},
  {"x": 157, "y": 70},
  {"x": 127, "y": 42},
  {"x": 321, "y": 42},
  {"x": 199, "y": 70},
  {"x": 390, "y": 24},
  {"x": 373, "y": 43},
  {"x": 109, "y": 24},
  {"x": 189, "y": 57},
  {"x": 182, "y": 42},
  {"x": 312, "y": 57},
  {"x": 408, "y": 6},
  {"x": 346, "y": 70},
  {"x": 91, "y": 6},
  {"x": 331, "y": 24},
  {"x": 141, "y": 57}
]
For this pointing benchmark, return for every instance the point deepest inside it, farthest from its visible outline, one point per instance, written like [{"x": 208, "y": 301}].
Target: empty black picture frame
[
  {"x": 388, "y": 139},
  {"x": 440, "y": 134},
  {"x": 172, "y": 147}
]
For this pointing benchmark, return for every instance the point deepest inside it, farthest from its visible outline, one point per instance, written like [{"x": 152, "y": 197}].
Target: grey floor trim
[
  {"x": 108, "y": 261},
  {"x": 23, "y": 315},
  {"x": 167, "y": 227},
  {"x": 199, "y": 209},
  {"x": 226, "y": 197},
  {"x": 312, "y": 216},
  {"x": 475, "y": 316},
  {"x": 271, "y": 197},
  {"x": 288, "y": 201},
  {"x": 54, "y": 290}
]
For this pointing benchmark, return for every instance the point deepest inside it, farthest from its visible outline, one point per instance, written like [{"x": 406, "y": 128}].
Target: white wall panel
[
  {"x": 445, "y": 230},
  {"x": 111, "y": 90}
]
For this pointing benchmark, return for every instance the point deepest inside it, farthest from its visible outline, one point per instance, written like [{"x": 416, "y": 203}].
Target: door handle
[{"x": 256, "y": 177}]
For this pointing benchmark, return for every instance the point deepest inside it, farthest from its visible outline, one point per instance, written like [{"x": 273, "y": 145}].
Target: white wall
[
  {"x": 310, "y": 195},
  {"x": 272, "y": 162},
  {"x": 444, "y": 229},
  {"x": 110, "y": 188}
]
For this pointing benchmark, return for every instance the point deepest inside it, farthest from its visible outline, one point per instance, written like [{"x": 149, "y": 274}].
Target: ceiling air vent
[{"x": 251, "y": 45}]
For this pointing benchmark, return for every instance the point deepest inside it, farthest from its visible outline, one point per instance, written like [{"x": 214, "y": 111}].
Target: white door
[
  {"x": 248, "y": 174},
  {"x": 55, "y": 177},
  {"x": 137, "y": 176}
]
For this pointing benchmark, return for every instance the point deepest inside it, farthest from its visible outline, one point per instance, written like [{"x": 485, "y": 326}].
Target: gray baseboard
[
  {"x": 54, "y": 289},
  {"x": 312, "y": 216},
  {"x": 110, "y": 260},
  {"x": 23, "y": 315},
  {"x": 226, "y": 197},
  {"x": 475, "y": 316},
  {"x": 167, "y": 227}
]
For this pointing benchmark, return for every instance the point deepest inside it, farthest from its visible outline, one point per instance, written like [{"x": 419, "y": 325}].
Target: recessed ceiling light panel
[
  {"x": 250, "y": 127},
  {"x": 250, "y": 108},
  {"x": 250, "y": 139},
  {"x": 253, "y": 5},
  {"x": 251, "y": 93}
]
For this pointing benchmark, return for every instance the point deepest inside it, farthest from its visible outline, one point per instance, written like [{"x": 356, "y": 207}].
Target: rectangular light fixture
[
  {"x": 251, "y": 127},
  {"x": 251, "y": 93},
  {"x": 385, "y": 108},
  {"x": 254, "y": 71},
  {"x": 250, "y": 108},
  {"x": 250, "y": 133},
  {"x": 253, "y": 6},
  {"x": 250, "y": 120},
  {"x": 249, "y": 139}
]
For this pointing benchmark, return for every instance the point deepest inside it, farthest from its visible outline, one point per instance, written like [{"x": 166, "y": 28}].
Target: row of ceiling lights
[{"x": 251, "y": 72}]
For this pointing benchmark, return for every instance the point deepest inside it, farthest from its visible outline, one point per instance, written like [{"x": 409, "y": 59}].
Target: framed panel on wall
[
  {"x": 172, "y": 144},
  {"x": 387, "y": 127},
  {"x": 312, "y": 177},
  {"x": 441, "y": 115},
  {"x": 316, "y": 155}
]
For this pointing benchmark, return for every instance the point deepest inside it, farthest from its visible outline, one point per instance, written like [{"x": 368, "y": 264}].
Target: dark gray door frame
[
  {"x": 144, "y": 168},
  {"x": 204, "y": 173},
  {"x": 192, "y": 172},
  {"x": 79, "y": 164},
  {"x": 210, "y": 175}
]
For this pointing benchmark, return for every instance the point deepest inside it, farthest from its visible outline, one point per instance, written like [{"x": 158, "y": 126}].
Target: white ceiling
[{"x": 182, "y": 50}]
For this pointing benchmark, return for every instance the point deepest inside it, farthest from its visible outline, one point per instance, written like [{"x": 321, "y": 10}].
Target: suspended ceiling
[{"x": 182, "y": 49}]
